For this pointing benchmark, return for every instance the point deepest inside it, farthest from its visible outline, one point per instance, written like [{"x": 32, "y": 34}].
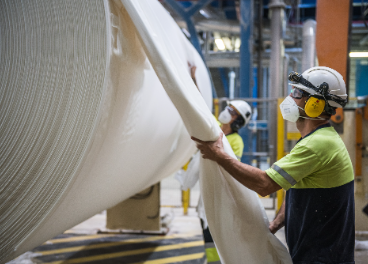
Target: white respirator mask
[
  {"x": 224, "y": 117},
  {"x": 290, "y": 110}
]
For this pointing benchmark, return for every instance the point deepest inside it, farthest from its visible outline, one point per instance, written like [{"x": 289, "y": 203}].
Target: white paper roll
[{"x": 84, "y": 120}]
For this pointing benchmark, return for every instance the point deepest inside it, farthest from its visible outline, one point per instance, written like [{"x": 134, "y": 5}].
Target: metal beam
[
  {"x": 177, "y": 7},
  {"x": 187, "y": 16},
  {"x": 195, "y": 8}
]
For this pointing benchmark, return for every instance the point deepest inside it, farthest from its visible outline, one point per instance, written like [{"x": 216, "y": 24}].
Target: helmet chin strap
[{"x": 311, "y": 118}]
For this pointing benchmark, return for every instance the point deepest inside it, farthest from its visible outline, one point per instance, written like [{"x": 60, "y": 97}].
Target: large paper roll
[{"x": 84, "y": 120}]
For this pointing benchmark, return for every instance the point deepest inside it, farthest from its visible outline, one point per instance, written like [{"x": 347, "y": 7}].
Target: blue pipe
[
  {"x": 246, "y": 69},
  {"x": 246, "y": 35},
  {"x": 225, "y": 83}
]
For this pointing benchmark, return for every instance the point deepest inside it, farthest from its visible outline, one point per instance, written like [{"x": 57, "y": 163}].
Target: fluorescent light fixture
[
  {"x": 220, "y": 44},
  {"x": 227, "y": 43},
  {"x": 203, "y": 13},
  {"x": 358, "y": 54},
  {"x": 237, "y": 44}
]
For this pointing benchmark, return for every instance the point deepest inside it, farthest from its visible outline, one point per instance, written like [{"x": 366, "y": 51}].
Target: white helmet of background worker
[
  {"x": 326, "y": 91},
  {"x": 243, "y": 110}
]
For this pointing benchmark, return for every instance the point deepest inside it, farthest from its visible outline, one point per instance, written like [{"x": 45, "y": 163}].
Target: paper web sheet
[{"x": 237, "y": 221}]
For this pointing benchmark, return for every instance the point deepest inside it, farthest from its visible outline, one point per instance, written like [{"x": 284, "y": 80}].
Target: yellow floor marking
[
  {"x": 80, "y": 238},
  {"x": 173, "y": 259},
  {"x": 107, "y": 244},
  {"x": 102, "y": 245},
  {"x": 74, "y": 238},
  {"x": 128, "y": 253}
]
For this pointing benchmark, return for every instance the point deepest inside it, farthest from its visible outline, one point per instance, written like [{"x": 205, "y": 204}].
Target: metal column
[
  {"x": 246, "y": 48},
  {"x": 277, "y": 8}
]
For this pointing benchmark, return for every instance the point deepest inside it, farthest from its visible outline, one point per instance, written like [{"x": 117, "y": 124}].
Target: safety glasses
[
  {"x": 231, "y": 111},
  {"x": 298, "y": 93}
]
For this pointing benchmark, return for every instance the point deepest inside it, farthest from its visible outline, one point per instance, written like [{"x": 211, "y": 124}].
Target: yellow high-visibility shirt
[{"x": 236, "y": 143}]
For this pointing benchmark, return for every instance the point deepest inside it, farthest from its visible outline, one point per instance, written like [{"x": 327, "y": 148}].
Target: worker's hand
[
  {"x": 192, "y": 69},
  {"x": 213, "y": 150},
  {"x": 275, "y": 226},
  {"x": 192, "y": 72}
]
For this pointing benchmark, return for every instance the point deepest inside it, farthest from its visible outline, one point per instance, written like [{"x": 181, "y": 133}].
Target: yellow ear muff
[{"x": 314, "y": 106}]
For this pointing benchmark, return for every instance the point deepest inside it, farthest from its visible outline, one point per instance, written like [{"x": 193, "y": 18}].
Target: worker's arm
[
  {"x": 251, "y": 177},
  {"x": 279, "y": 220}
]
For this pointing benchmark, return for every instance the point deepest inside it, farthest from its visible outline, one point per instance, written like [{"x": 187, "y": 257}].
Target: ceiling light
[
  {"x": 220, "y": 44},
  {"x": 237, "y": 44},
  {"x": 227, "y": 43},
  {"x": 358, "y": 54},
  {"x": 203, "y": 13}
]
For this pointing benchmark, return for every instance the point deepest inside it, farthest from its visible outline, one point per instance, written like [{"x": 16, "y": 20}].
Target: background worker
[
  {"x": 235, "y": 116},
  {"x": 318, "y": 212}
]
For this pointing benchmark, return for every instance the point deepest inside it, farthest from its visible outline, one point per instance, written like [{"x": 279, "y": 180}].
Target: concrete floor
[
  {"x": 172, "y": 217},
  {"x": 189, "y": 224},
  {"x": 170, "y": 196}
]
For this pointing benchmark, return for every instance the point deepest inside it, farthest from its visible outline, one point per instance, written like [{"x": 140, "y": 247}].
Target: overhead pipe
[
  {"x": 228, "y": 26},
  {"x": 219, "y": 25},
  {"x": 309, "y": 57}
]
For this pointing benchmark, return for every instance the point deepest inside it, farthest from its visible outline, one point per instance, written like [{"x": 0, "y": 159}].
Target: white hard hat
[
  {"x": 318, "y": 75},
  {"x": 243, "y": 108}
]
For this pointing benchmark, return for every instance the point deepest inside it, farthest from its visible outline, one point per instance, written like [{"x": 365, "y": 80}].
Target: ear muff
[
  {"x": 237, "y": 123},
  {"x": 314, "y": 106}
]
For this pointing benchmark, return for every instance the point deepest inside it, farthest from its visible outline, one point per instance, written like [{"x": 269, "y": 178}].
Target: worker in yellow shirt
[{"x": 236, "y": 115}]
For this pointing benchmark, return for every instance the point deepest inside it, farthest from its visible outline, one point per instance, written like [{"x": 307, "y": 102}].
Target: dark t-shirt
[{"x": 320, "y": 224}]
